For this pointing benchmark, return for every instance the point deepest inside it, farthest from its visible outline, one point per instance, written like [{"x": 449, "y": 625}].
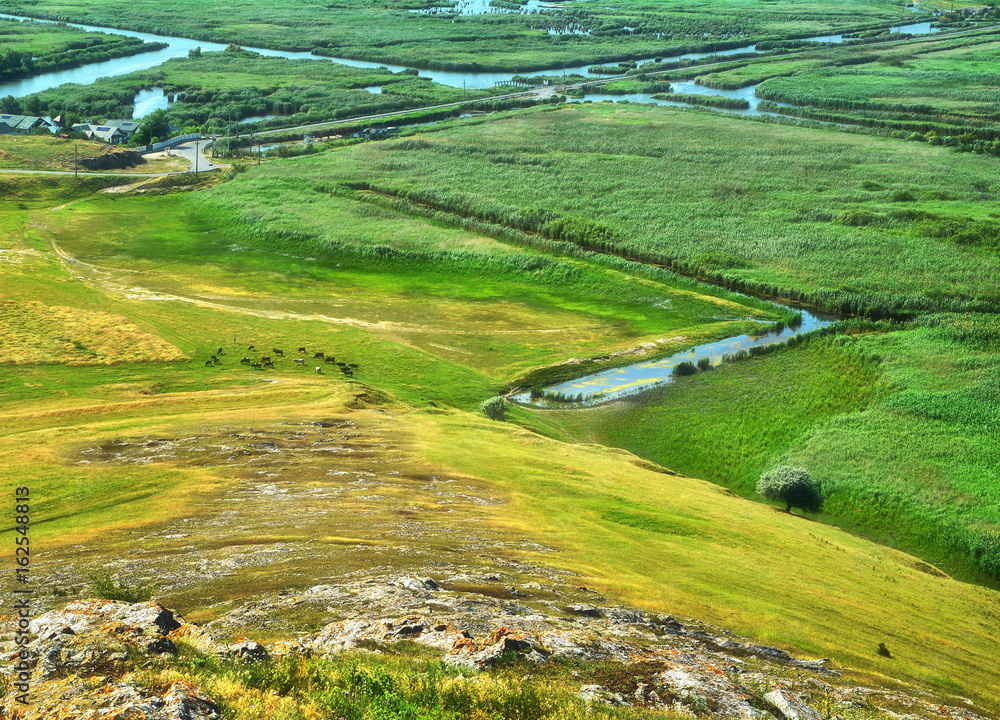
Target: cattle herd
[{"x": 266, "y": 361}]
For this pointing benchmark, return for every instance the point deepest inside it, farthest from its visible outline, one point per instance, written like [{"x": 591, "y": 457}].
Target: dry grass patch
[{"x": 32, "y": 333}]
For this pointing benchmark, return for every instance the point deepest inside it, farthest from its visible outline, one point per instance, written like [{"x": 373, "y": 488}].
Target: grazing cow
[
  {"x": 269, "y": 364},
  {"x": 219, "y": 352},
  {"x": 301, "y": 349},
  {"x": 265, "y": 358},
  {"x": 330, "y": 360},
  {"x": 215, "y": 359},
  {"x": 348, "y": 373},
  {"x": 245, "y": 360},
  {"x": 300, "y": 361},
  {"x": 353, "y": 366},
  {"x": 342, "y": 364},
  {"x": 318, "y": 356},
  {"x": 278, "y": 351},
  {"x": 250, "y": 349},
  {"x": 319, "y": 369},
  {"x": 208, "y": 363},
  {"x": 257, "y": 366}
]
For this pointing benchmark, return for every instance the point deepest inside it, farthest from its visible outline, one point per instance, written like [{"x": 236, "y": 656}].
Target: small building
[
  {"x": 110, "y": 134},
  {"x": 114, "y": 132},
  {"x": 23, "y": 124}
]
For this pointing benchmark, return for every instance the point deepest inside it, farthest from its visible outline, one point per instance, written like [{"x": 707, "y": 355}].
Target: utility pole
[{"x": 74, "y": 161}]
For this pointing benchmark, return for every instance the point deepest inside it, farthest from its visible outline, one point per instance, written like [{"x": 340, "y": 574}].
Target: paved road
[
  {"x": 188, "y": 151},
  {"x": 87, "y": 174}
]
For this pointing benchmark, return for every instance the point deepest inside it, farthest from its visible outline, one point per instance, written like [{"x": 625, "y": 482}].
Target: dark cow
[
  {"x": 209, "y": 363},
  {"x": 250, "y": 349},
  {"x": 245, "y": 360},
  {"x": 257, "y": 366},
  {"x": 330, "y": 360},
  {"x": 318, "y": 356},
  {"x": 278, "y": 351},
  {"x": 269, "y": 364},
  {"x": 301, "y": 349}
]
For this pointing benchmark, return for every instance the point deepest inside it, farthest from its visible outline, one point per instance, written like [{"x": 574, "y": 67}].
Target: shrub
[
  {"x": 792, "y": 486},
  {"x": 684, "y": 368},
  {"x": 494, "y": 408},
  {"x": 705, "y": 364},
  {"x": 108, "y": 588}
]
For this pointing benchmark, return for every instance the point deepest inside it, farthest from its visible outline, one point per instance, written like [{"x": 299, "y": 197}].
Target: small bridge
[{"x": 179, "y": 140}]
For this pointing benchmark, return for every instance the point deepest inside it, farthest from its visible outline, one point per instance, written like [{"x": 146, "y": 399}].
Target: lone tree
[{"x": 792, "y": 486}]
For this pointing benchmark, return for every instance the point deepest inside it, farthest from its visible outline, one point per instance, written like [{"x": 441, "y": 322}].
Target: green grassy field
[
  {"x": 31, "y": 48},
  {"x": 389, "y": 32},
  {"x": 82, "y": 435},
  {"x": 895, "y": 426},
  {"x": 757, "y": 204},
  {"x": 448, "y": 264},
  {"x": 948, "y": 85}
]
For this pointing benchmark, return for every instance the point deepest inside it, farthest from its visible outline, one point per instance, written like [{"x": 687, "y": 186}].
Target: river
[
  {"x": 621, "y": 381},
  {"x": 179, "y": 47}
]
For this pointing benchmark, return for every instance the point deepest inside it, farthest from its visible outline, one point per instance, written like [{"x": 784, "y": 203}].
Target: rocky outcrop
[
  {"x": 81, "y": 657},
  {"x": 80, "y": 654},
  {"x": 113, "y": 159}
]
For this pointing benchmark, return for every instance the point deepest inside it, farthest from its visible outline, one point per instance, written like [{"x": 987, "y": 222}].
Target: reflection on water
[
  {"x": 149, "y": 100},
  {"x": 619, "y": 382}
]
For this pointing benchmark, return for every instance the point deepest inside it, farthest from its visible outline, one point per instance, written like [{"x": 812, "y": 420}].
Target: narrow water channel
[
  {"x": 179, "y": 47},
  {"x": 621, "y": 381}
]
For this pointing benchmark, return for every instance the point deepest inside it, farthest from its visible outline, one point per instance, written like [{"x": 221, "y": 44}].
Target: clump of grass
[{"x": 106, "y": 587}]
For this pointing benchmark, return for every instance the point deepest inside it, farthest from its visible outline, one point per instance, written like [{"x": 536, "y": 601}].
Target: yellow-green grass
[
  {"x": 32, "y": 333},
  {"x": 645, "y": 537},
  {"x": 41, "y": 152},
  {"x": 662, "y": 541},
  {"x": 896, "y": 427},
  {"x": 494, "y": 325}
]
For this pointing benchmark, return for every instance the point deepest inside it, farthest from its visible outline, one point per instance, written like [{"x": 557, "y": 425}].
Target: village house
[
  {"x": 114, "y": 132},
  {"x": 23, "y": 124}
]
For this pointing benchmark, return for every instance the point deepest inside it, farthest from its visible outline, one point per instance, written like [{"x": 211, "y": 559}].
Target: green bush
[
  {"x": 108, "y": 588},
  {"x": 684, "y": 368},
  {"x": 494, "y": 408},
  {"x": 792, "y": 486}
]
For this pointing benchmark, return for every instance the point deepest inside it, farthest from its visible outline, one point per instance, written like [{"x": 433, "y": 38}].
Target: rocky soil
[{"x": 82, "y": 660}]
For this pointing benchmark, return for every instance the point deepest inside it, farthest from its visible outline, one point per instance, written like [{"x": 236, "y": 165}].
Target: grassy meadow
[
  {"x": 758, "y": 205},
  {"x": 937, "y": 90},
  {"x": 454, "y": 261},
  {"x": 134, "y": 455},
  {"x": 427, "y": 34},
  {"x": 897, "y": 427}
]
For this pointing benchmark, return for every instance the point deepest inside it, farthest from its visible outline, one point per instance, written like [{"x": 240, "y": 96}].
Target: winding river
[
  {"x": 599, "y": 387},
  {"x": 179, "y": 47},
  {"x": 622, "y": 381}
]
